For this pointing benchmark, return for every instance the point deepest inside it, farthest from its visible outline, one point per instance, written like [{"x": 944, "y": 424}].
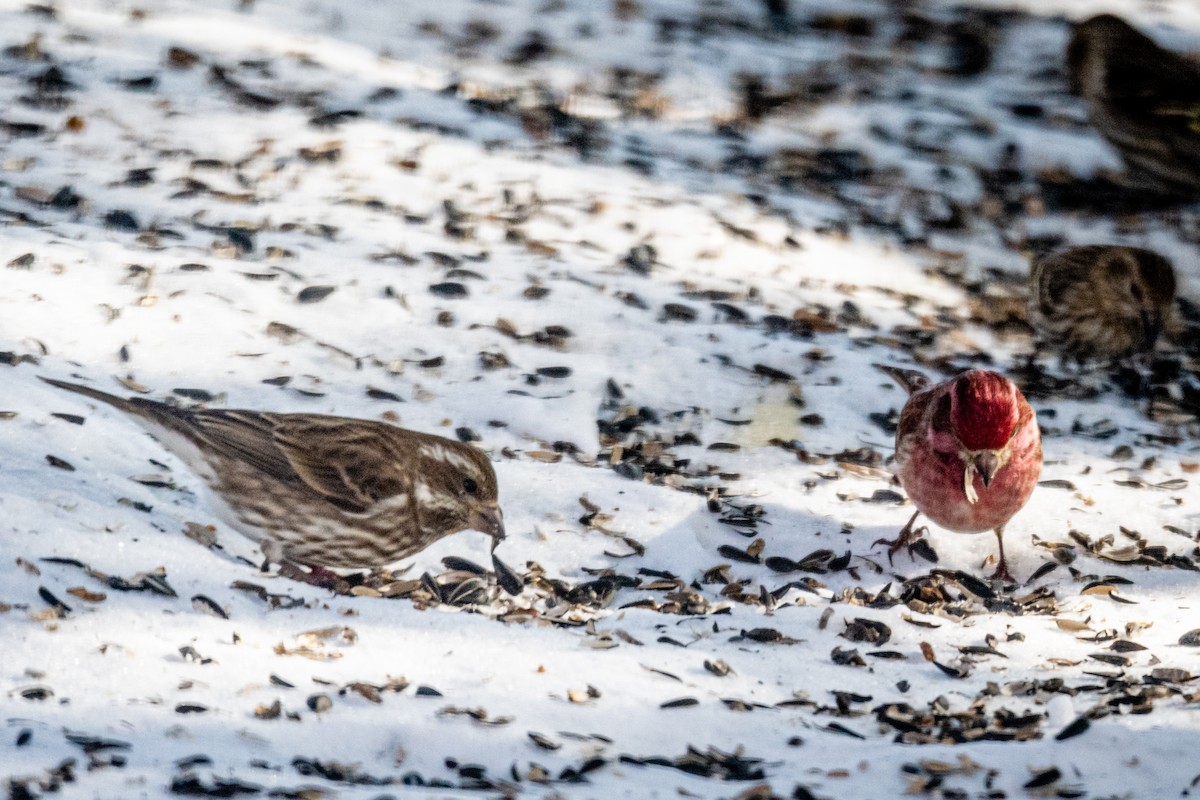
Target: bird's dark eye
[
  {"x": 470, "y": 486},
  {"x": 1136, "y": 291}
]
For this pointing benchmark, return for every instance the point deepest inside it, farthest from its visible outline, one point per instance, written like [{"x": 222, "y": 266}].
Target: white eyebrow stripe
[{"x": 440, "y": 452}]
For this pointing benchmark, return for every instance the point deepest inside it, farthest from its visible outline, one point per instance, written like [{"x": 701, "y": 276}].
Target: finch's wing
[
  {"x": 246, "y": 436},
  {"x": 352, "y": 464},
  {"x": 915, "y": 416}
]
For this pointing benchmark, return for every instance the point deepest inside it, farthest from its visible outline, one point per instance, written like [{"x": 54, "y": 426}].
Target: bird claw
[
  {"x": 324, "y": 578},
  {"x": 320, "y": 577},
  {"x": 892, "y": 545},
  {"x": 907, "y": 538},
  {"x": 1002, "y": 574}
]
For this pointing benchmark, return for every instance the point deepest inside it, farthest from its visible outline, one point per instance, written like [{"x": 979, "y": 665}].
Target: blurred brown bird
[
  {"x": 1101, "y": 302},
  {"x": 1143, "y": 99},
  {"x": 325, "y": 491}
]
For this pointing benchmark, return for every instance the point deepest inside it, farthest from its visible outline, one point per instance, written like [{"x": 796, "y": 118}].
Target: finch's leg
[
  {"x": 904, "y": 539},
  {"x": 1002, "y": 573}
]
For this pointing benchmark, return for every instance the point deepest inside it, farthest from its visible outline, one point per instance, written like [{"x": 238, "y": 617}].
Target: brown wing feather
[
  {"x": 351, "y": 466},
  {"x": 912, "y": 419},
  {"x": 334, "y": 459},
  {"x": 240, "y": 435},
  {"x": 246, "y": 436},
  {"x": 910, "y": 380}
]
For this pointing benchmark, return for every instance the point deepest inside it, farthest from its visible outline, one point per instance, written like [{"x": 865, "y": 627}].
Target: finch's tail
[
  {"x": 910, "y": 380},
  {"x": 95, "y": 394}
]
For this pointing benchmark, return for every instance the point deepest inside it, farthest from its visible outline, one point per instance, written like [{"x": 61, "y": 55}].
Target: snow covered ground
[{"x": 646, "y": 251}]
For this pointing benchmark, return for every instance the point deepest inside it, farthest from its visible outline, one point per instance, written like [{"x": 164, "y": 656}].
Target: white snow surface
[{"x": 97, "y": 302}]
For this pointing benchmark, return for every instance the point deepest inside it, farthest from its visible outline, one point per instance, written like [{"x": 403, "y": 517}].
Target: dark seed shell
[
  {"x": 682, "y": 702},
  {"x": 1078, "y": 726},
  {"x": 38, "y": 693},
  {"x": 781, "y": 564},
  {"x": 847, "y": 658},
  {"x": 867, "y": 630},
  {"x": 679, "y": 312},
  {"x": 1045, "y": 569},
  {"x": 315, "y": 294},
  {"x": 543, "y": 742},
  {"x": 509, "y": 581},
  {"x": 383, "y": 394},
  {"x": 465, "y": 565},
  {"x": 974, "y": 585},
  {"x": 199, "y": 395},
  {"x": 737, "y": 554},
  {"x": 1191, "y": 638},
  {"x": 52, "y": 601},
  {"x": 449, "y": 289},
  {"x": 207, "y": 605},
  {"x": 773, "y": 374},
  {"x": 1043, "y": 778},
  {"x": 953, "y": 672}
]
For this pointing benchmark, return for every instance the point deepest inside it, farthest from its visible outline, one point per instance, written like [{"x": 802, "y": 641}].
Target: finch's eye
[
  {"x": 1136, "y": 291},
  {"x": 470, "y": 486}
]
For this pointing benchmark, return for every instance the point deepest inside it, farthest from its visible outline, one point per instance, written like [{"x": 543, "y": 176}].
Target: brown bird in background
[
  {"x": 1100, "y": 302},
  {"x": 1143, "y": 99},
  {"x": 325, "y": 491}
]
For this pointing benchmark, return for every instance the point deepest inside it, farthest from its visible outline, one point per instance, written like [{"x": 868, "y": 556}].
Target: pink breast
[{"x": 936, "y": 488}]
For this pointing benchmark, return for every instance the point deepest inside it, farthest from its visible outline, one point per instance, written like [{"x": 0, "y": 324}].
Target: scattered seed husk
[
  {"x": 207, "y": 605},
  {"x": 681, "y": 702},
  {"x": 1191, "y": 638},
  {"x": 717, "y": 667}
]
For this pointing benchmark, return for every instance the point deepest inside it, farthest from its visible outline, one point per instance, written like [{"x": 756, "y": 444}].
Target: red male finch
[
  {"x": 324, "y": 491},
  {"x": 968, "y": 452}
]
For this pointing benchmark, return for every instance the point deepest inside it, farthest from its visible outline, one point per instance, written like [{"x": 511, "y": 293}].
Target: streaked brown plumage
[
  {"x": 325, "y": 491},
  {"x": 1142, "y": 98},
  {"x": 1102, "y": 302}
]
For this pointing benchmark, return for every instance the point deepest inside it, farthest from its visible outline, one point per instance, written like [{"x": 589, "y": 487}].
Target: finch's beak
[
  {"x": 488, "y": 519},
  {"x": 986, "y": 464}
]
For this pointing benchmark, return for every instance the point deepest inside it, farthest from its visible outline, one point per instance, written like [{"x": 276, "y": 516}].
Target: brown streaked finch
[
  {"x": 1100, "y": 301},
  {"x": 324, "y": 491},
  {"x": 968, "y": 452},
  {"x": 1142, "y": 98}
]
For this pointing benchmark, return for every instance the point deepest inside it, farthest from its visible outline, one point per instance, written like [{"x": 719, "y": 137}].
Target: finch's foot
[
  {"x": 1002, "y": 573},
  {"x": 906, "y": 538},
  {"x": 320, "y": 577},
  {"x": 325, "y": 578},
  {"x": 315, "y": 575}
]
